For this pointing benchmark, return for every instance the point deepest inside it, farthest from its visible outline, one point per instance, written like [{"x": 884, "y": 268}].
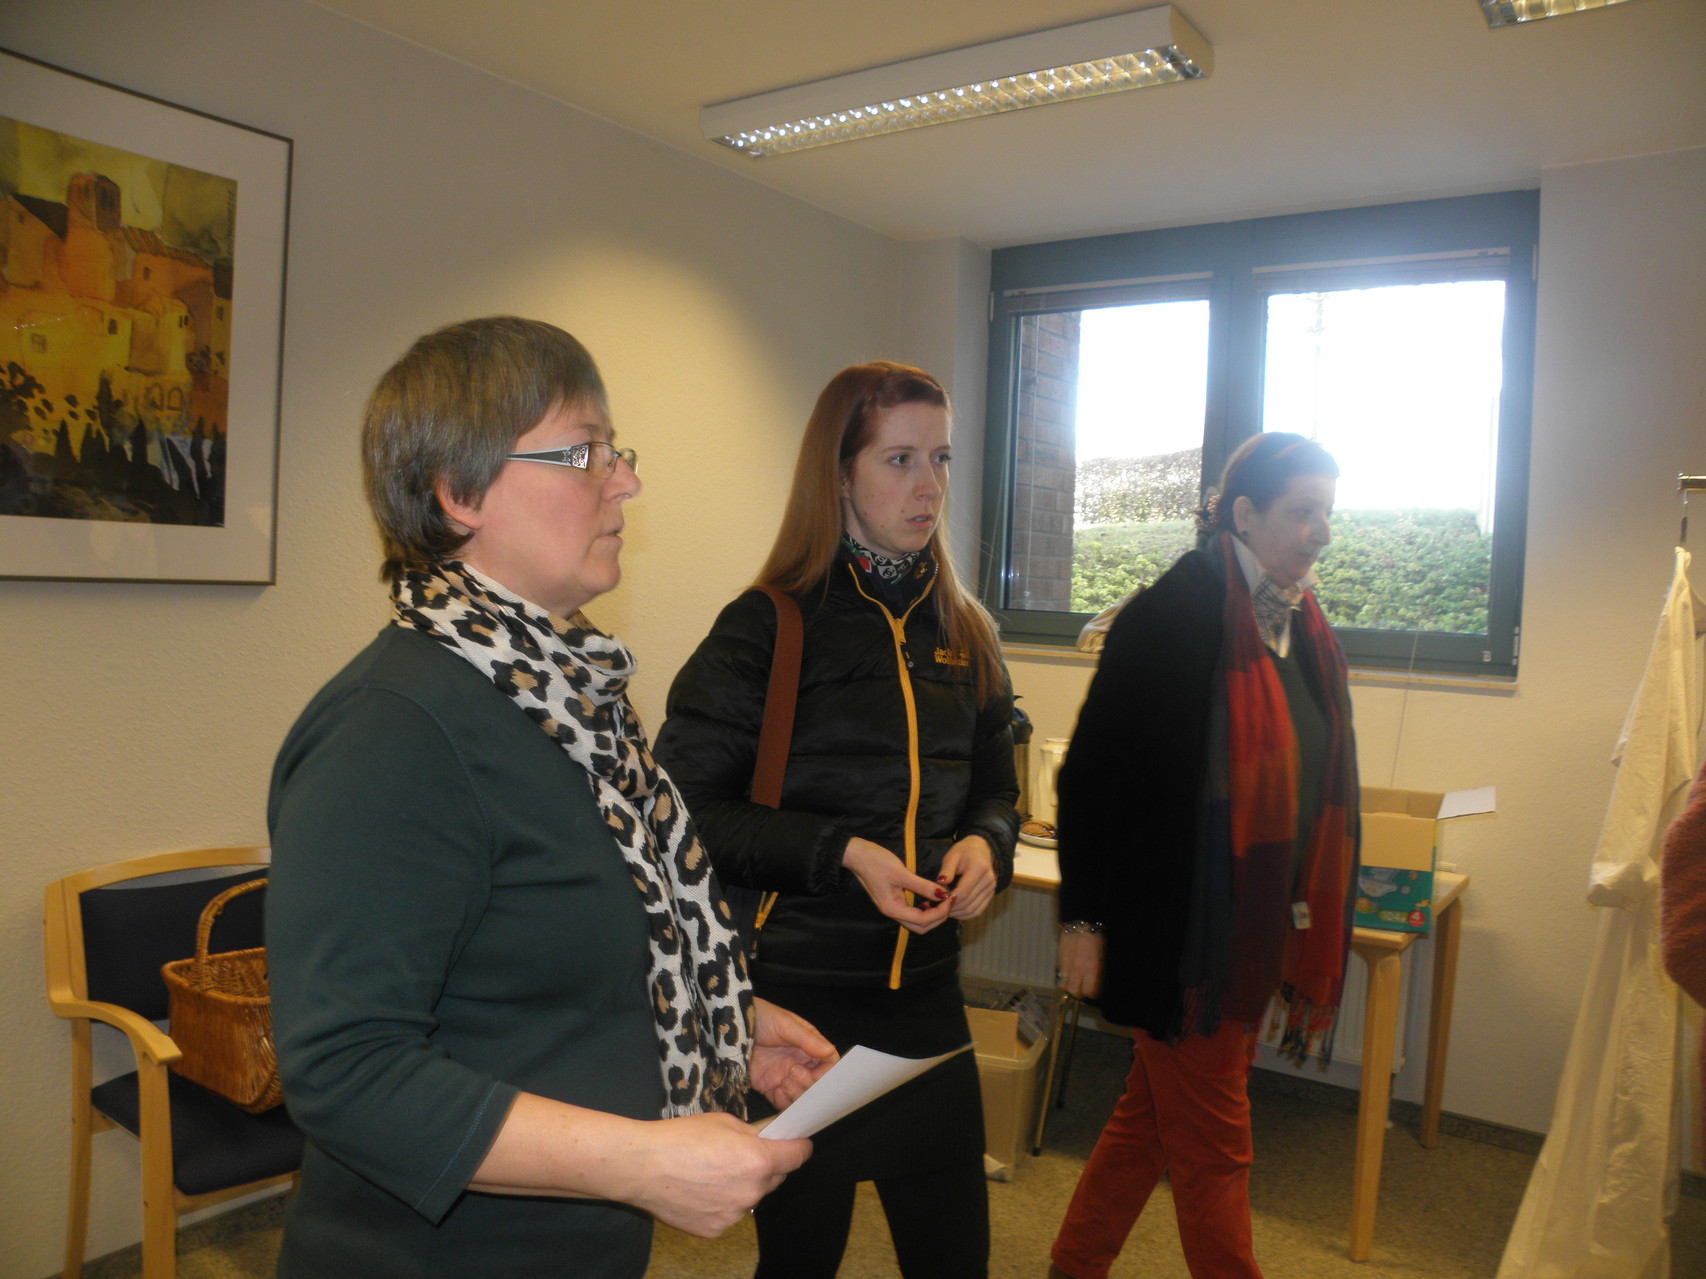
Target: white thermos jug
[{"x": 1048, "y": 769}]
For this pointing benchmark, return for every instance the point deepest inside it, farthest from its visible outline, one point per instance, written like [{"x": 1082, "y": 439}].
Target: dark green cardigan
[{"x": 449, "y": 922}]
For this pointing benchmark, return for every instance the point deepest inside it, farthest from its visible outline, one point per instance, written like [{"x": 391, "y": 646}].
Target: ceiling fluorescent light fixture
[
  {"x": 1083, "y": 60},
  {"x": 1509, "y": 13}
]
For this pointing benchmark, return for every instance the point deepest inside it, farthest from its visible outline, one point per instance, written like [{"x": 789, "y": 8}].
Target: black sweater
[{"x": 1130, "y": 789}]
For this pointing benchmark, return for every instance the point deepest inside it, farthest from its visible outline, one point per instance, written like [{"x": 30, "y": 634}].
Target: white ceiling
[{"x": 1312, "y": 103}]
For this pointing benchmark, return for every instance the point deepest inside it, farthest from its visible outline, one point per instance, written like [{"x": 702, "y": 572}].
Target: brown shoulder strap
[{"x": 777, "y": 730}]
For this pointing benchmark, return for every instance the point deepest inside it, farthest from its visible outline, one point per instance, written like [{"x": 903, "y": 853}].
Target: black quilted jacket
[{"x": 882, "y": 724}]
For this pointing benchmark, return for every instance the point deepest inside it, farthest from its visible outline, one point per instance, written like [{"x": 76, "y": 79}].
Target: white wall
[
  {"x": 1619, "y": 410},
  {"x": 144, "y": 717},
  {"x": 942, "y": 300}
]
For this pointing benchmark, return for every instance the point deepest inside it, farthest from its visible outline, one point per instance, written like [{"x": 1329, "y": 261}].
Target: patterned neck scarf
[
  {"x": 889, "y": 570},
  {"x": 1241, "y": 938},
  {"x": 1274, "y": 604},
  {"x": 571, "y": 679}
]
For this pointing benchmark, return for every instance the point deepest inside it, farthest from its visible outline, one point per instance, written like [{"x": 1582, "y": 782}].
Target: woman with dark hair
[
  {"x": 896, "y": 817},
  {"x": 1208, "y": 847},
  {"x": 512, "y": 1020}
]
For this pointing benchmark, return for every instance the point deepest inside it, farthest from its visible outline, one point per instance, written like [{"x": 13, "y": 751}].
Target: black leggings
[
  {"x": 939, "y": 1221},
  {"x": 921, "y": 1145}
]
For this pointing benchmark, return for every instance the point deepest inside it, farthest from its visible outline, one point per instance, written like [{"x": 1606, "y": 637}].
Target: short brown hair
[
  {"x": 804, "y": 553},
  {"x": 450, "y": 409}
]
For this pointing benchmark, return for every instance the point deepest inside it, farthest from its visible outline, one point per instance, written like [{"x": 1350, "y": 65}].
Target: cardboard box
[
  {"x": 1395, "y": 886},
  {"x": 1013, "y": 1028}
]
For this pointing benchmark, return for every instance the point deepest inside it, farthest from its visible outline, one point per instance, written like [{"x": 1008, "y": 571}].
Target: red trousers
[{"x": 1184, "y": 1112}]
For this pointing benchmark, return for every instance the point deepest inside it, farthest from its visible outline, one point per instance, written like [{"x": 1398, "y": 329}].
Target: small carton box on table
[{"x": 1395, "y": 885}]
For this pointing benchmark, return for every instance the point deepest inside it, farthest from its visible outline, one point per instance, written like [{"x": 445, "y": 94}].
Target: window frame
[{"x": 1233, "y": 255}]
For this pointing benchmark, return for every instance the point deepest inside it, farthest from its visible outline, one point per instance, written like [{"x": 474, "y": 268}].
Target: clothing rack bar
[{"x": 1686, "y": 484}]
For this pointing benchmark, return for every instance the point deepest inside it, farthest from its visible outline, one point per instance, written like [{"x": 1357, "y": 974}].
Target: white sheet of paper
[
  {"x": 1461, "y": 803},
  {"x": 862, "y": 1075}
]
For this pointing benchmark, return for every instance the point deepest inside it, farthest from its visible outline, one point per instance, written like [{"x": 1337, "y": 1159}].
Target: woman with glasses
[
  {"x": 896, "y": 818},
  {"x": 511, "y": 1018}
]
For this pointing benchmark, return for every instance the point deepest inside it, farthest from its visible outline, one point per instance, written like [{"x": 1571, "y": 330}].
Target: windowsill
[
  {"x": 1360, "y": 676},
  {"x": 1066, "y": 654},
  {"x": 1379, "y": 677}
]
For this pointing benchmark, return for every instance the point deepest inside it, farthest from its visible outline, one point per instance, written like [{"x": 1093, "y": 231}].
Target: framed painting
[{"x": 142, "y": 261}]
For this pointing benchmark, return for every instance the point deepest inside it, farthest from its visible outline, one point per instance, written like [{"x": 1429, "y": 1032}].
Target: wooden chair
[{"x": 106, "y": 938}]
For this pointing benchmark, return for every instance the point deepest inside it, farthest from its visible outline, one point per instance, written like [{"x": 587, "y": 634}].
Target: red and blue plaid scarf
[{"x": 1241, "y": 944}]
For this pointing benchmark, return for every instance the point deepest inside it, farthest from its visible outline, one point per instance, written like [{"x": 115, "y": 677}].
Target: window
[{"x": 1125, "y": 369}]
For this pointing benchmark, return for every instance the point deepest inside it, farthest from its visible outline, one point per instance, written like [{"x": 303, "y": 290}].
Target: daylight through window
[{"x": 1125, "y": 369}]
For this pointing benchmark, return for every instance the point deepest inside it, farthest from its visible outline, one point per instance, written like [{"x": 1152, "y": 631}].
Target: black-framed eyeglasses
[{"x": 580, "y": 457}]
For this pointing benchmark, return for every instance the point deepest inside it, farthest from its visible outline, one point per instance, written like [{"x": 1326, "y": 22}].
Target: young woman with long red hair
[{"x": 896, "y": 818}]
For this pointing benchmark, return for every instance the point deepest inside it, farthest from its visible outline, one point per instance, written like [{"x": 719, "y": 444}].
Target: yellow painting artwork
[{"x": 115, "y": 332}]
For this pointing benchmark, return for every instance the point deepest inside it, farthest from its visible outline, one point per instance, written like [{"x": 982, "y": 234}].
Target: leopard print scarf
[{"x": 571, "y": 679}]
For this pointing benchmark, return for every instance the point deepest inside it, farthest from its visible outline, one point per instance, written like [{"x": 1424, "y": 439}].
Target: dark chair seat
[
  {"x": 105, "y": 932},
  {"x": 214, "y": 1144}
]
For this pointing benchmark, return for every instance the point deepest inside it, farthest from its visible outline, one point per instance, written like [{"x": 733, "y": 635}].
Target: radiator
[
  {"x": 1012, "y": 941},
  {"x": 1347, "y": 1034}
]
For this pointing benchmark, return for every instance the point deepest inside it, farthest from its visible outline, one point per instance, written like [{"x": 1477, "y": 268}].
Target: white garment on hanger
[{"x": 1602, "y": 1191}]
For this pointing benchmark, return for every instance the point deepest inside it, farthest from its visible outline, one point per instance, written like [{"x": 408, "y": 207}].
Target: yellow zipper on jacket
[{"x": 897, "y": 630}]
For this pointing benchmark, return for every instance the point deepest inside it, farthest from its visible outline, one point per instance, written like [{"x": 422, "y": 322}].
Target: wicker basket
[{"x": 221, "y": 1016}]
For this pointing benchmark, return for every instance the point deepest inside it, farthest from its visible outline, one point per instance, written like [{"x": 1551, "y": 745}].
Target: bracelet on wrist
[{"x": 1080, "y": 928}]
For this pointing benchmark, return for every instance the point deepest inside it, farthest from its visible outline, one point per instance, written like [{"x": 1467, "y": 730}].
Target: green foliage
[
  {"x": 1416, "y": 570},
  {"x": 1109, "y": 561},
  {"x": 1386, "y": 570},
  {"x": 1117, "y": 490}
]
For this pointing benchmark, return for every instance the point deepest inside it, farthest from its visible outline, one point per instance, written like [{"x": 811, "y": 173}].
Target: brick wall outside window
[{"x": 1045, "y": 463}]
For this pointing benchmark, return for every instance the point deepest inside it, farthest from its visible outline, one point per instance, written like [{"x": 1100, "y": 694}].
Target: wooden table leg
[
  {"x": 1379, "y": 1033},
  {"x": 1446, "y": 937}
]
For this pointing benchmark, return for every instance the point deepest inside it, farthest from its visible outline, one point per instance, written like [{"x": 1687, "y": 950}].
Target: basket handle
[{"x": 210, "y": 912}]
